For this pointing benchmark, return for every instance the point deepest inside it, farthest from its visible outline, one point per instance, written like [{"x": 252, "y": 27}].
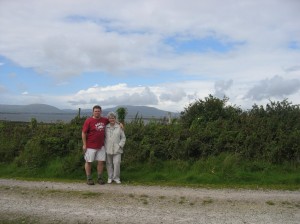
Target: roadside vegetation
[{"x": 211, "y": 144}]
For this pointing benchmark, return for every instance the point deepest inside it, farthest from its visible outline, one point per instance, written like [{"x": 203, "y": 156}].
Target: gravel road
[{"x": 53, "y": 202}]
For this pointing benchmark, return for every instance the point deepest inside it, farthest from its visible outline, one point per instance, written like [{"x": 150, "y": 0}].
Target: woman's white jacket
[{"x": 114, "y": 139}]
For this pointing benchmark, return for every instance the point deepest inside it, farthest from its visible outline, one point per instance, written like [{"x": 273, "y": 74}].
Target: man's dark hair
[{"x": 97, "y": 107}]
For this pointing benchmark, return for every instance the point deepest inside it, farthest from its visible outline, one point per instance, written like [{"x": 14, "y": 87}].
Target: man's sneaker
[
  {"x": 90, "y": 182},
  {"x": 101, "y": 181},
  {"x": 118, "y": 181},
  {"x": 109, "y": 181}
]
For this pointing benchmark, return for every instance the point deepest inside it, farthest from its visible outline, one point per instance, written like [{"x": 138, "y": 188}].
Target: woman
[{"x": 114, "y": 142}]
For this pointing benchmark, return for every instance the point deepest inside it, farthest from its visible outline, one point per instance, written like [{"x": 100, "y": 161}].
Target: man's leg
[
  {"x": 88, "y": 168},
  {"x": 100, "y": 157},
  {"x": 100, "y": 168},
  {"x": 89, "y": 158}
]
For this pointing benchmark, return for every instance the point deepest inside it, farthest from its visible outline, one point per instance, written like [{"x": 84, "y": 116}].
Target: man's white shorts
[{"x": 92, "y": 154}]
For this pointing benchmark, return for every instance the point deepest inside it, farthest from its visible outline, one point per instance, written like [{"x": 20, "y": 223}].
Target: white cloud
[
  {"x": 174, "y": 96},
  {"x": 66, "y": 39},
  {"x": 274, "y": 87},
  {"x": 117, "y": 40},
  {"x": 169, "y": 96},
  {"x": 2, "y": 89},
  {"x": 115, "y": 95},
  {"x": 221, "y": 87}
]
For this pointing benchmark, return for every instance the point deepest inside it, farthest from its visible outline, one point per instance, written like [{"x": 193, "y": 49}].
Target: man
[{"x": 93, "y": 134}]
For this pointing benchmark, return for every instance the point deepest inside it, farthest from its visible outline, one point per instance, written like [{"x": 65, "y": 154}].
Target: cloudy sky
[{"x": 160, "y": 53}]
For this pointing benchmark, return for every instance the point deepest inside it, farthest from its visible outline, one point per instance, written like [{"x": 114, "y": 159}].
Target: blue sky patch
[
  {"x": 107, "y": 24},
  {"x": 294, "y": 45},
  {"x": 84, "y": 19},
  {"x": 184, "y": 45},
  {"x": 22, "y": 79}
]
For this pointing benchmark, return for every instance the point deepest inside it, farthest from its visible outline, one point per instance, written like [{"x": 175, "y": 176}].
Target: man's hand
[
  {"x": 83, "y": 148},
  {"x": 121, "y": 125},
  {"x": 83, "y": 136}
]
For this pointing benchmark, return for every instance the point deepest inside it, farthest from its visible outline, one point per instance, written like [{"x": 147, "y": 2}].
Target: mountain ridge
[{"x": 132, "y": 111}]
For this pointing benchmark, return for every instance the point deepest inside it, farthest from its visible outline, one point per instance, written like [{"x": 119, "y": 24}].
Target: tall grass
[{"x": 225, "y": 170}]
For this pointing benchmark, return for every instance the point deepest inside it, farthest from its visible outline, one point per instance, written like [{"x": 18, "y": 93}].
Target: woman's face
[{"x": 112, "y": 120}]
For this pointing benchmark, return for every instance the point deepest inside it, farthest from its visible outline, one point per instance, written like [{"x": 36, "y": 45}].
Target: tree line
[{"x": 207, "y": 127}]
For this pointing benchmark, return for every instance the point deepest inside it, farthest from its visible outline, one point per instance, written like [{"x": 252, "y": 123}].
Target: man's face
[{"x": 97, "y": 113}]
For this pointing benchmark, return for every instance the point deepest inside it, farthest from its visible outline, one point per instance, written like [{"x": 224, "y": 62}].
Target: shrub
[{"x": 34, "y": 155}]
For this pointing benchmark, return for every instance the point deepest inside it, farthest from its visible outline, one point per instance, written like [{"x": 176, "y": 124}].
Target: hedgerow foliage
[{"x": 205, "y": 128}]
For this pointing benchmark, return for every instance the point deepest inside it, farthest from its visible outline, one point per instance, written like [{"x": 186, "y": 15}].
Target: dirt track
[{"x": 49, "y": 202}]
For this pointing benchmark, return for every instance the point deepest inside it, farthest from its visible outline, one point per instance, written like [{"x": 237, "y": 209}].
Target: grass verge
[{"x": 223, "y": 171}]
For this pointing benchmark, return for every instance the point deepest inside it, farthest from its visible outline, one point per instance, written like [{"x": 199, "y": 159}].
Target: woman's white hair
[{"x": 112, "y": 114}]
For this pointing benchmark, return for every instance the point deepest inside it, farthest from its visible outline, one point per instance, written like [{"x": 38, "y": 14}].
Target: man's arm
[
  {"x": 83, "y": 136},
  {"x": 121, "y": 125}
]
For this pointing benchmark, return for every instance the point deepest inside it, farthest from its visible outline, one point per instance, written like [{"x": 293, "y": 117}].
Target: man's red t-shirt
[{"x": 95, "y": 130}]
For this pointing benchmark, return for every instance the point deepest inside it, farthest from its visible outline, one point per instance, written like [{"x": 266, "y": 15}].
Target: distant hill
[
  {"x": 13, "y": 112},
  {"x": 31, "y": 108}
]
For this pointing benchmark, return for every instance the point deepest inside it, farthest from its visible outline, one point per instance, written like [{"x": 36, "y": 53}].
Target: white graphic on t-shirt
[{"x": 99, "y": 126}]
